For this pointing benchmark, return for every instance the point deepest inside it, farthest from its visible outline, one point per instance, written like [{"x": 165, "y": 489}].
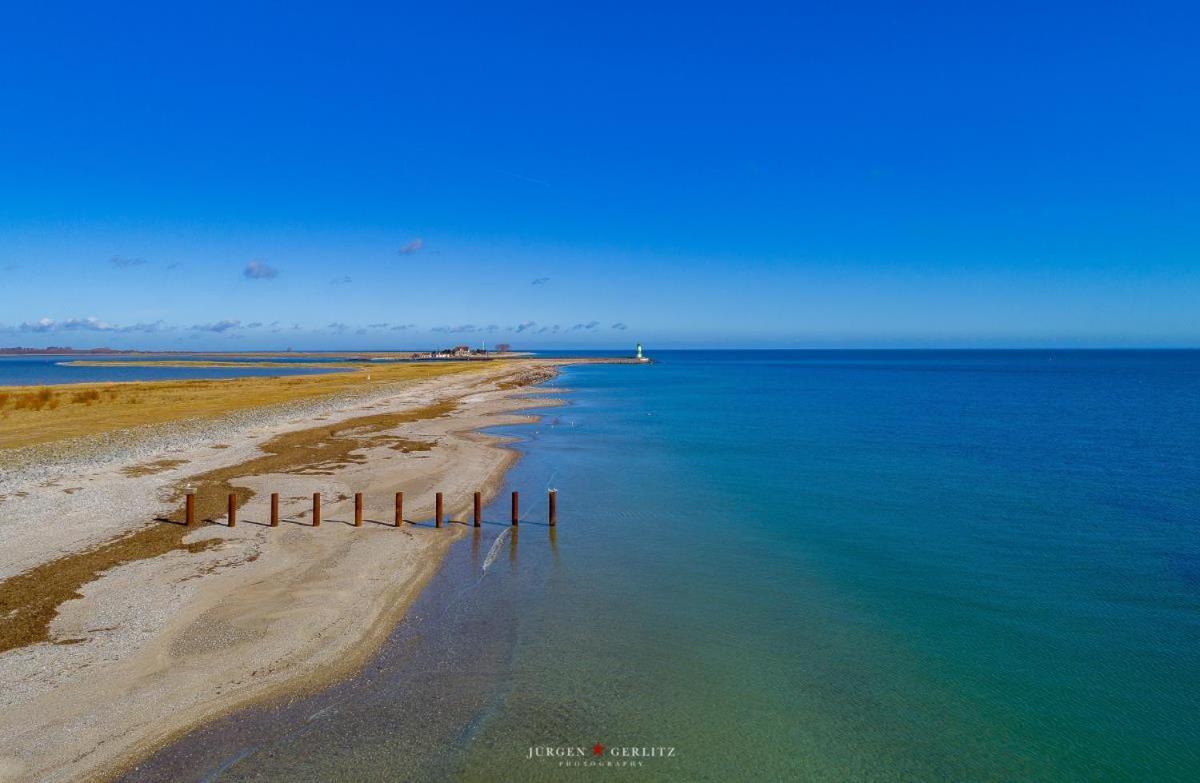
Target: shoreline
[{"x": 248, "y": 595}]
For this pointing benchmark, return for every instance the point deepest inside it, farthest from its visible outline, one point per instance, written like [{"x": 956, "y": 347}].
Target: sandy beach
[{"x": 222, "y": 617}]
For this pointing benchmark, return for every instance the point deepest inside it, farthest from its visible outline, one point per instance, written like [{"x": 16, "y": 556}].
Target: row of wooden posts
[{"x": 190, "y": 509}]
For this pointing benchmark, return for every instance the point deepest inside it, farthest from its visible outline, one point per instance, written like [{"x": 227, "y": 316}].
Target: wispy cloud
[
  {"x": 124, "y": 262},
  {"x": 343, "y": 280},
  {"x": 539, "y": 281},
  {"x": 523, "y": 327},
  {"x": 152, "y": 326},
  {"x": 402, "y": 327},
  {"x": 409, "y": 248},
  {"x": 460, "y": 329},
  {"x": 620, "y": 327},
  {"x": 219, "y": 326},
  {"x": 589, "y": 326},
  {"x": 379, "y": 326},
  {"x": 254, "y": 325},
  {"x": 523, "y": 178},
  {"x": 550, "y": 329},
  {"x": 337, "y": 326},
  {"x": 67, "y": 325},
  {"x": 11, "y": 267},
  {"x": 43, "y": 325},
  {"x": 258, "y": 269}
]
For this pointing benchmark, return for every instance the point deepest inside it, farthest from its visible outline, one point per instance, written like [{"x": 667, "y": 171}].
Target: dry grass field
[{"x": 37, "y": 415}]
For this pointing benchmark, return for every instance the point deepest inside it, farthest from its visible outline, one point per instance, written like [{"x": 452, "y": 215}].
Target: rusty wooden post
[
  {"x": 553, "y": 496},
  {"x": 274, "y": 509},
  {"x": 478, "y": 509},
  {"x": 399, "y": 509},
  {"x": 232, "y": 510},
  {"x": 189, "y": 506},
  {"x": 515, "y": 508},
  {"x": 316, "y": 509},
  {"x": 437, "y": 514},
  {"x": 358, "y": 509}
]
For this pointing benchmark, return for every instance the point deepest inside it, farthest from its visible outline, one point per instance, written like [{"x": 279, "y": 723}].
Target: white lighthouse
[{"x": 641, "y": 358}]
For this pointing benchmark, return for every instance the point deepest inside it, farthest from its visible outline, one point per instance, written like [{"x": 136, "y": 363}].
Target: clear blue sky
[{"x": 401, "y": 175}]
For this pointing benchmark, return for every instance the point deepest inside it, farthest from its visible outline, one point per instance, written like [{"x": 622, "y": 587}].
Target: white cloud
[
  {"x": 219, "y": 326},
  {"x": 258, "y": 269},
  {"x": 409, "y": 248},
  {"x": 43, "y": 325}
]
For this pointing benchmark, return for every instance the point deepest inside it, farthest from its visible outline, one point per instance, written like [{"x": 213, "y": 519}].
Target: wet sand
[{"x": 157, "y": 646}]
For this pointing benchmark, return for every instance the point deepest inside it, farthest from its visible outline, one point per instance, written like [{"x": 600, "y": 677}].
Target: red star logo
[{"x": 597, "y": 749}]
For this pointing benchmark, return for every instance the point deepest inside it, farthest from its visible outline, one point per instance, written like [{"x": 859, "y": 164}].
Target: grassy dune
[{"x": 38, "y": 415}]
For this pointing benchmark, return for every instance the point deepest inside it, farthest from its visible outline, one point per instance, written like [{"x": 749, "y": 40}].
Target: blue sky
[{"x": 760, "y": 175}]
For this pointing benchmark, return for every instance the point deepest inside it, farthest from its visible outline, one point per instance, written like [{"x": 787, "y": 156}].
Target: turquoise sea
[{"x": 799, "y": 565}]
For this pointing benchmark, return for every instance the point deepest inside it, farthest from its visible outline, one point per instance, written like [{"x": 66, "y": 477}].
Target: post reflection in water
[{"x": 512, "y": 547}]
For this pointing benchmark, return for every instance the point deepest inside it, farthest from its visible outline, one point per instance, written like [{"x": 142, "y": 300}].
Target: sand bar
[{"x": 156, "y": 645}]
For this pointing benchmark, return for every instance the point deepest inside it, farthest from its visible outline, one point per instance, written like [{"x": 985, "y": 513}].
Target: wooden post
[
  {"x": 478, "y": 509},
  {"x": 316, "y": 509},
  {"x": 274, "y": 509},
  {"x": 189, "y": 505},
  {"x": 437, "y": 514},
  {"x": 232, "y": 510},
  {"x": 553, "y": 496},
  {"x": 399, "y": 509},
  {"x": 358, "y": 509},
  {"x": 515, "y": 509}
]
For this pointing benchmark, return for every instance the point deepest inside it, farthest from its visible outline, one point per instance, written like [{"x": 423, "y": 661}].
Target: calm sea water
[
  {"x": 49, "y": 370},
  {"x": 801, "y": 566}
]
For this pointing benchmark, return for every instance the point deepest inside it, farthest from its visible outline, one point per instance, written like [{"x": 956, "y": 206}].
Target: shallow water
[
  {"x": 51, "y": 370},
  {"x": 801, "y": 565}
]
